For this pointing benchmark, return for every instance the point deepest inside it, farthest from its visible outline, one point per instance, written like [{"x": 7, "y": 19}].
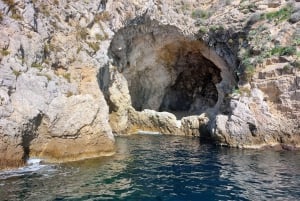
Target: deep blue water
[{"x": 153, "y": 167}]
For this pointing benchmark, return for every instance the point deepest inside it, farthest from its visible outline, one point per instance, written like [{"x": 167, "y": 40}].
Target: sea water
[{"x": 156, "y": 167}]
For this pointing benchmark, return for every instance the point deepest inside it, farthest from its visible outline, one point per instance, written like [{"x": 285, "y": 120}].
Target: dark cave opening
[
  {"x": 167, "y": 71},
  {"x": 194, "y": 90}
]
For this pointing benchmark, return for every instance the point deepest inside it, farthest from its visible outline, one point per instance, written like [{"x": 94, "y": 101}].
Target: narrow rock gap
[{"x": 30, "y": 134}]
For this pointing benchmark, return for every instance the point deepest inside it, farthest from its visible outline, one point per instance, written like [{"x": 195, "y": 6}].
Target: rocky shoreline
[{"x": 74, "y": 74}]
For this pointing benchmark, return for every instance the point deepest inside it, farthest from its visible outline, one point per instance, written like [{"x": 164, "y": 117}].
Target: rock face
[
  {"x": 71, "y": 73},
  {"x": 51, "y": 105},
  {"x": 74, "y": 128},
  {"x": 244, "y": 82},
  {"x": 257, "y": 113}
]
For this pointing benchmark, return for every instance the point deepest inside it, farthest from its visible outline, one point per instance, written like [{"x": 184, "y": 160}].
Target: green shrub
[
  {"x": 280, "y": 15},
  {"x": 296, "y": 64},
  {"x": 43, "y": 8},
  {"x": 82, "y": 33},
  {"x": 244, "y": 56},
  {"x": 259, "y": 59},
  {"x": 245, "y": 91},
  {"x": 94, "y": 46},
  {"x": 4, "y": 52},
  {"x": 78, "y": 49},
  {"x": 46, "y": 49},
  {"x": 198, "y": 13},
  {"x": 248, "y": 66},
  {"x": 283, "y": 51},
  {"x": 103, "y": 16},
  {"x": 296, "y": 41},
  {"x": 266, "y": 54},
  {"x": 37, "y": 65},
  {"x": 69, "y": 94},
  {"x": 216, "y": 28},
  {"x": 67, "y": 76},
  {"x": 16, "y": 73},
  {"x": 1, "y": 16},
  {"x": 203, "y": 30},
  {"x": 235, "y": 91},
  {"x": 249, "y": 72},
  {"x": 49, "y": 78},
  {"x": 100, "y": 37},
  {"x": 17, "y": 16},
  {"x": 287, "y": 67}
]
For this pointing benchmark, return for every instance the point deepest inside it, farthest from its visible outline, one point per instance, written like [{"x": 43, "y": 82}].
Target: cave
[
  {"x": 168, "y": 71},
  {"x": 194, "y": 89}
]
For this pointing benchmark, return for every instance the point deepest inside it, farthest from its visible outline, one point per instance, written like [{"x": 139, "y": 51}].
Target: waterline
[{"x": 157, "y": 167}]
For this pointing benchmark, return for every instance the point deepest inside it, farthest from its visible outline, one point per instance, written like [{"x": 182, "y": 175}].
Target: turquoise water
[{"x": 154, "y": 167}]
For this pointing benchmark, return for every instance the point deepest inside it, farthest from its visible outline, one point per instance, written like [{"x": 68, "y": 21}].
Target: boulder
[
  {"x": 152, "y": 121},
  {"x": 295, "y": 17},
  {"x": 194, "y": 125},
  {"x": 74, "y": 128}
]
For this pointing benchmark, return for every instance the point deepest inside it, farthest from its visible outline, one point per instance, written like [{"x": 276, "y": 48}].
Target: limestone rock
[
  {"x": 115, "y": 88},
  {"x": 295, "y": 17},
  {"x": 274, "y": 4},
  {"x": 234, "y": 32},
  {"x": 238, "y": 128},
  {"x": 46, "y": 58},
  {"x": 74, "y": 128},
  {"x": 11, "y": 148},
  {"x": 5, "y": 107},
  {"x": 149, "y": 120},
  {"x": 194, "y": 125}
]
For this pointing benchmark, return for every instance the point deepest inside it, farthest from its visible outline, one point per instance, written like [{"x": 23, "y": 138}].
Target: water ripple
[{"x": 149, "y": 167}]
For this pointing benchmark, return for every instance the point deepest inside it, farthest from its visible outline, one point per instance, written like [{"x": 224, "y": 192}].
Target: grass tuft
[
  {"x": 199, "y": 13},
  {"x": 283, "y": 51},
  {"x": 94, "y": 46},
  {"x": 4, "y": 52},
  {"x": 16, "y": 73},
  {"x": 67, "y": 76},
  {"x": 82, "y": 33},
  {"x": 37, "y": 65},
  {"x": 103, "y": 16},
  {"x": 280, "y": 15}
]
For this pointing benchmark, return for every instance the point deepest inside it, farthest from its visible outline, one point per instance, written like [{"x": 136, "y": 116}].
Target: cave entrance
[
  {"x": 194, "y": 89},
  {"x": 167, "y": 71}
]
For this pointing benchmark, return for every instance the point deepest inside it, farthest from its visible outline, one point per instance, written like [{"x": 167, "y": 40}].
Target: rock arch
[{"x": 164, "y": 71}]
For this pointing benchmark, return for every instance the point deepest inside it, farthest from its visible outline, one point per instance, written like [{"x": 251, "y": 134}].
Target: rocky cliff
[{"x": 74, "y": 72}]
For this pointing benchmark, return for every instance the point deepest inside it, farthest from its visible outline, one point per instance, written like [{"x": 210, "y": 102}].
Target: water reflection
[
  {"x": 163, "y": 168},
  {"x": 262, "y": 175}
]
